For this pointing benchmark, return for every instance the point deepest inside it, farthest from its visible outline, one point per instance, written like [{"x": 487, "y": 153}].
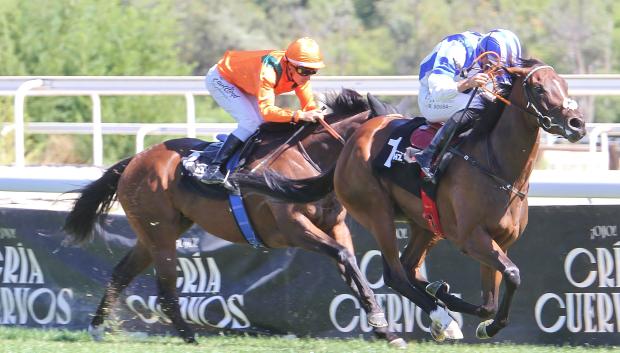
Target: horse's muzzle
[{"x": 576, "y": 129}]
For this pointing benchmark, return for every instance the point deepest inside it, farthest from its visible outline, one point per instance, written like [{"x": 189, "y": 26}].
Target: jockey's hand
[
  {"x": 311, "y": 115},
  {"x": 478, "y": 80}
]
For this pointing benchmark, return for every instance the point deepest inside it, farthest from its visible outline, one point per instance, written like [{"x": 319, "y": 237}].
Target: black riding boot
[
  {"x": 212, "y": 174},
  {"x": 425, "y": 158}
]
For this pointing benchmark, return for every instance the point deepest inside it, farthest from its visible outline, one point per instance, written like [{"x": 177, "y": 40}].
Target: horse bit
[{"x": 544, "y": 121}]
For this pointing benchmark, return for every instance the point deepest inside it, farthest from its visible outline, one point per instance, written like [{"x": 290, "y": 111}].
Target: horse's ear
[{"x": 518, "y": 71}]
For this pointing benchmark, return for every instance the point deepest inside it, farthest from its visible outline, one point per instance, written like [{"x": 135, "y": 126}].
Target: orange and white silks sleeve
[
  {"x": 306, "y": 98},
  {"x": 266, "y": 100}
]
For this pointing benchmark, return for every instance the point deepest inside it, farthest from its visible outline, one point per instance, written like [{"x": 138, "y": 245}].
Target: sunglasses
[{"x": 305, "y": 71}]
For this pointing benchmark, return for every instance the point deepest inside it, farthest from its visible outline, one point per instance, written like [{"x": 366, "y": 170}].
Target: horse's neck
[
  {"x": 324, "y": 148},
  {"x": 514, "y": 143},
  {"x": 319, "y": 146}
]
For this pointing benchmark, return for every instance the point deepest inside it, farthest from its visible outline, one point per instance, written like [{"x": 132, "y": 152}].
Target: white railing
[
  {"x": 543, "y": 183},
  {"x": 22, "y": 86}
]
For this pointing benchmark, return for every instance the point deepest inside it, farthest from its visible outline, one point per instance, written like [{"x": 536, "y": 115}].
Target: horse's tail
[
  {"x": 291, "y": 190},
  {"x": 94, "y": 202}
]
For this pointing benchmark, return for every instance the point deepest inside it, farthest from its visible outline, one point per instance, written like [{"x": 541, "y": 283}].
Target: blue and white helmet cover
[{"x": 503, "y": 42}]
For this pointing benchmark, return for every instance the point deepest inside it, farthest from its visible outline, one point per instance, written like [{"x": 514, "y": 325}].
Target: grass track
[{"x": 19, "y": 340}]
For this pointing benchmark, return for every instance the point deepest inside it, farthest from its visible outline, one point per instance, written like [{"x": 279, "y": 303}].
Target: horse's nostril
[{"x": 576, "y": 123}]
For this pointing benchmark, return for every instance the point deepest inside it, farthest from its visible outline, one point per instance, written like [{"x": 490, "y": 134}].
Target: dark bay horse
[
  {"x": 482, "y": 218},
  {"x": 152, "y": 186}
]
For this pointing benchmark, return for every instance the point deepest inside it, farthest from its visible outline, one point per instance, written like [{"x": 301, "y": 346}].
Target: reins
[
  {"x": 543, "y": 121},
  {"x": 278, "y": 151},
  {"x": 331, "y": 130}
]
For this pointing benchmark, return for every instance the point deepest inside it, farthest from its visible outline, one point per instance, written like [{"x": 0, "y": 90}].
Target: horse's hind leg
[
  {"x": 124, "y": 272},
  {"x": 165, "y": 262},
  {"x": 161, "y": 238},
  {"x": 376, "y": 316},
  {"x": 420, "y": 242}
]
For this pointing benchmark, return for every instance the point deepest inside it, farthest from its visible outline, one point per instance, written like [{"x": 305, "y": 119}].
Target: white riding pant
[
  {"x": 240, "y": 105},
  {"x": 435, "y": 110}
]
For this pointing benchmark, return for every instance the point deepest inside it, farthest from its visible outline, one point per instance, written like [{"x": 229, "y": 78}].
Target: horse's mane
[
  {"x": 343, "y": 104},
  {"x": 346, "y": 102},
  {"x": 486, "y": 123}
]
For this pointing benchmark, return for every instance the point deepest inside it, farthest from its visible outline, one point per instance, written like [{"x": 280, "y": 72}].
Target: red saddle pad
[{"x": 422, "y": 136}]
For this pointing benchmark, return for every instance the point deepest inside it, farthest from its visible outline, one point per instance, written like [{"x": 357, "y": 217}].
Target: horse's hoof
[
  {"x": 481, "y": 330},
  {"x": 443, "y": 326},
  {"x": 398, "y": 343},
  {"x": 96, "y": 332},
  {"x": 433, "y": 288},
  {"x": 437, "y": 335},
  {"x": 377, "y": 320},
  {"x": 190, "y": 340}
]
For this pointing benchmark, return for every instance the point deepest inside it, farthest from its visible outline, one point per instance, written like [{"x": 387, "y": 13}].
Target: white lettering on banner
[
  {"x": 7, "y": 233},
  {"x": 19, "y": 265},
  {"x": 365, "y": 262},
  {"x": 198, "y": 276},
  {"x": 368, "y": 256},
  {"x": 401, "y": 233},
  {"x": 583, "y": 312},
  {"x": 603, "y": 232},
  {"x": 607, "y": 267},
  {"x": 589, "y": 312},
  {"x": 188, "y": 243},
  {"x": 402, "y": 315},
  {"x": 19, "y": 302},
  {"x": 42, "y": 305},
  {"x": 194, "y": 310}
]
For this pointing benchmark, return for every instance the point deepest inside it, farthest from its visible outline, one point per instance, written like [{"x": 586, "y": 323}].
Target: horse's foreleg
[
  {"x": 359, "y": 286},
  {"x": 420, "y": 242},
  {"x": 482, "y": 247},
  {"x": 136, "y": 260}
]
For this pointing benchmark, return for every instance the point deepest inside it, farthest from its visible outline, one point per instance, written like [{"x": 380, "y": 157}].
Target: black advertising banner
[{"x": 569, "y": 260}]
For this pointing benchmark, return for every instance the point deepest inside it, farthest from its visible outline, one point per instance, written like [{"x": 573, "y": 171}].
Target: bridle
[{"x": 544, "y": 121}]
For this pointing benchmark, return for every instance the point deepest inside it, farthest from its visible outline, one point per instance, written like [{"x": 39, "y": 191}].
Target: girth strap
[{"x": 237, "y": 207}]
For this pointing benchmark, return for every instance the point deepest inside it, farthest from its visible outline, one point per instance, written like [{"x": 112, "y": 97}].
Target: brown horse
[
  {"x": 480, "y": 215},
  {"x": 152, "y": 186}
]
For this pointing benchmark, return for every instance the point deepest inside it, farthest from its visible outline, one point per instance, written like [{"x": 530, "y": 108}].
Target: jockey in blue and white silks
[
  {"x": 448, "y": 75},
  {"x": 441, "y": 71},
  {"x": 506, "y": 44}
]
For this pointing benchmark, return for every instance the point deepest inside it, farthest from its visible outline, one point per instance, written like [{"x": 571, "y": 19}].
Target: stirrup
[
  {"x": 429, "y": 174},
  {"x": 213, "y": 175}
]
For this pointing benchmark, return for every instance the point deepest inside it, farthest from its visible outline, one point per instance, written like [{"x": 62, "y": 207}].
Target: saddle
[
  {"x": 229, "y": 190},
  {"x": 208, "y": 150},
  {"x": 393, "y": 163}
]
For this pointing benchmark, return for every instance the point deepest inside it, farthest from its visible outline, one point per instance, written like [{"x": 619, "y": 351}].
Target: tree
[{"x": 90, "y": 38}]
